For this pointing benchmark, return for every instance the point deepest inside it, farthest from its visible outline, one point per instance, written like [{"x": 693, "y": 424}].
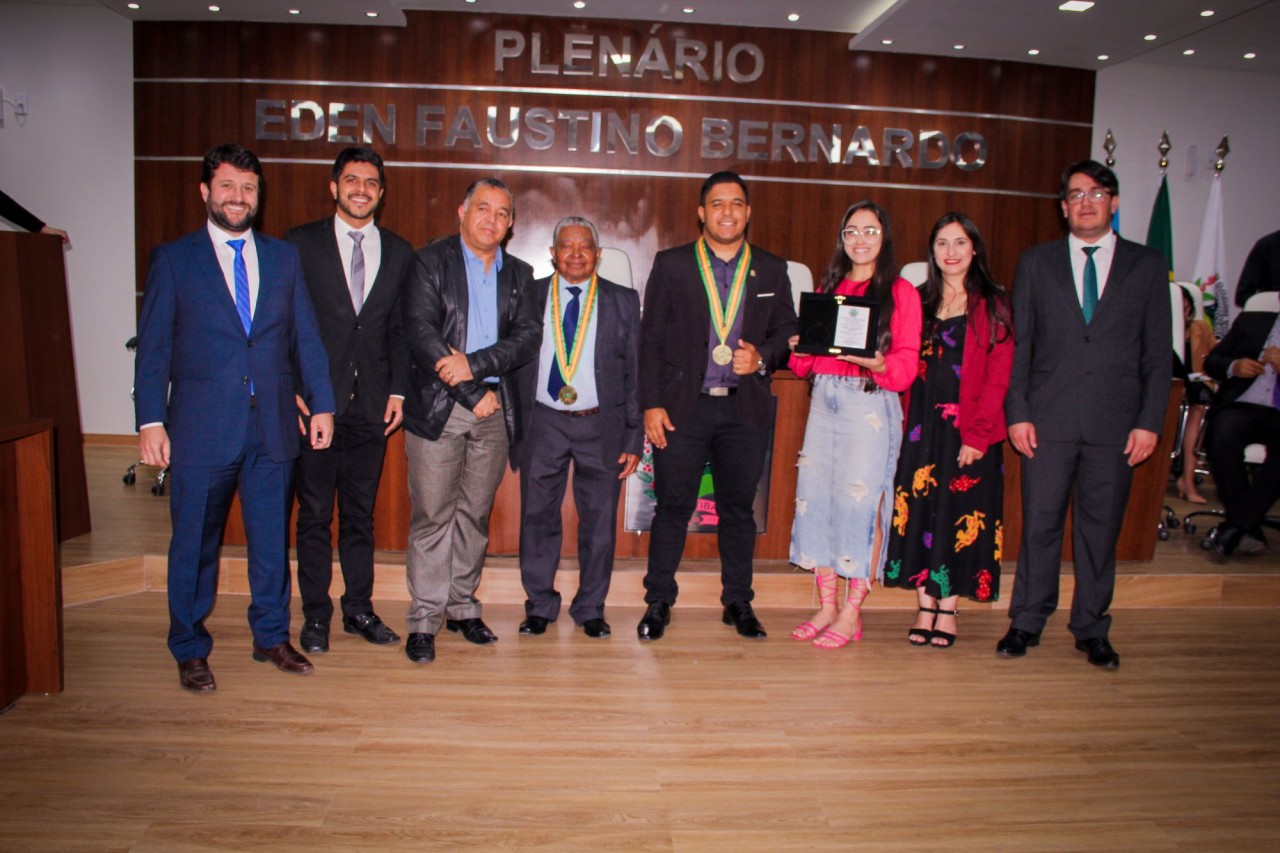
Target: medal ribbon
[
  {"x": 722, "y": 317},
  {"x": 569, "y": 363}
]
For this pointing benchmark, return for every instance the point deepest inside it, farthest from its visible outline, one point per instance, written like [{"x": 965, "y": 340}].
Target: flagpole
[
  {"x": 1160, "y": 228},
  {"x": 1109, "y": 145}
]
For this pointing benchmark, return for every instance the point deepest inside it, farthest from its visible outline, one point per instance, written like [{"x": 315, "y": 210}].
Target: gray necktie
[{"x": 357, "y": 271}]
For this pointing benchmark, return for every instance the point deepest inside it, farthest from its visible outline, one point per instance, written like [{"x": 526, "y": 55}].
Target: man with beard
[
  {"x": 353, "y": 268},
  {"x": 717, "y": 319},
  {"x": 225, "y": 319}
]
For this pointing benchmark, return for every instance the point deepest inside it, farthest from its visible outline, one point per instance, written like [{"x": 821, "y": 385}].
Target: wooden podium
[
  {"x": 37, "y": 364},
  {"x": 30, "y": 583}
]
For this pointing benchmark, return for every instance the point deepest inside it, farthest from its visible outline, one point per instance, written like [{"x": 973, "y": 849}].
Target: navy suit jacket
[
  {"x": 1093, "y": 382},
  {"x": 195, "y": 364},
  {"x": 617, "y": 355}
]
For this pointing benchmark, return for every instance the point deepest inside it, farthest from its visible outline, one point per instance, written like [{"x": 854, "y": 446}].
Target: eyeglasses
[
  {"x": 870, "y": 232},
  {"x": 1096, "y": 195}
]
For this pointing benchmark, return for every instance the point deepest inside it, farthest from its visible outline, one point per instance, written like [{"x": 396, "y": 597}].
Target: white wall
[
  {"x": 71, "y": 164},
  {"x": 1196, "y": 107}
]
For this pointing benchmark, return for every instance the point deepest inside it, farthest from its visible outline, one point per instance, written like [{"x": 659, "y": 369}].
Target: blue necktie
[
  {"x": 1090, "y": 284},
  {"x": 570, "y": 325},
  {"x": 242, "y": 285}
]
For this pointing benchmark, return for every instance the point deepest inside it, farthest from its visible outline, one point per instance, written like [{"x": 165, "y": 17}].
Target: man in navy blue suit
[{"x": 225, "y": 319}]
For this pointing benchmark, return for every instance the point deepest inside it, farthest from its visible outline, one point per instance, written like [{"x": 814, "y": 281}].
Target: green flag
[{"x": 1160, "y": 231}]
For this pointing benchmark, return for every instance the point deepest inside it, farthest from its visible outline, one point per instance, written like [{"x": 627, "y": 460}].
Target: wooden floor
[{"x": 702, "y": 741}]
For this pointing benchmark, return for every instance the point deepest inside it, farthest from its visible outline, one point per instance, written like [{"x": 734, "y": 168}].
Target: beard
[
  {"x": 218, "y": 214},
  {"x": 353, "y": 213}
]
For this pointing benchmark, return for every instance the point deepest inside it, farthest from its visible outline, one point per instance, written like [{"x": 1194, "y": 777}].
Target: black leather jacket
[{"x": 435, "y": 317}]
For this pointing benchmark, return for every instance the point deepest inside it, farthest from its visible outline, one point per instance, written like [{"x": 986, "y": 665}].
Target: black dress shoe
[
  {"x": 474, "y": 630},
  {"x": 596, "y": 629},
  {"x": 314, "y": 636},
  {"x": 534, "y": 626},
  {"x": 741, "y": 616},
  {"x": 1015, "y": 643},
  {"x": 655, "y": 621},
  {"x": 1225, "y": 538},
  {"x": 284, "y": 657},
  {"x": 421, "y": 648},
  {"x": 195, "y": 675},
  {"x": 369, "y": 626},
  {"x": 1100, "y": 652}
]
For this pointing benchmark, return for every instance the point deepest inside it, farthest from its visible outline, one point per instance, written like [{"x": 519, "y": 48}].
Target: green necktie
[{"x": 1090, "y": 284}]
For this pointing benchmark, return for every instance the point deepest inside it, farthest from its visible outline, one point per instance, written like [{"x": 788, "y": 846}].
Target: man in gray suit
[
  {"x": 469, "y": 321},
  {"x": 1086, "y": 403},
  {"x": 579, "y": 404}
]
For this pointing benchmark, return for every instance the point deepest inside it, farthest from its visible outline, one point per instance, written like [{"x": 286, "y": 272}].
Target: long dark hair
[
  {"x": 886, "y": 272},
  {"x": 980, "y": 289}
]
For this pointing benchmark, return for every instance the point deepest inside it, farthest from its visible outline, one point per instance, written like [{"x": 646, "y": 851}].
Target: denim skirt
[{"x": 846, "y": 471}]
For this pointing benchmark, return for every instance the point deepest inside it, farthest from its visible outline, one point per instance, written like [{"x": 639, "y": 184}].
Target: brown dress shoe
[
  {"x": 285, "y": 657},
  {"x": 195, "y": 675}
]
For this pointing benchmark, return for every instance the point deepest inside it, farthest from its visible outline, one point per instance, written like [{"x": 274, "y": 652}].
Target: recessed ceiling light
[
  {"x": 1207, "y": 13},
  {"x": 793, "y": 17},
  {"x": 135, "y": 6},
  {"x": 580, "y": 4},
  {"x": 1189, "y": 52},
  {"x": 1033, "y": 52},
  {"x": 1076, "y": 6},
  {"x": 886, "y": 41},
  {"x": 1102, "y": 57},
  {"x": 688, "y": 10},
  {"x": 295, "y": 11},
  {"x": 1251, "y": 55},
  {"x": 215, "y": 8},
  {"x": 371, "y": 14},
  {"x": 1149, "y": 37},
  {"x": 958, "y": 46}
]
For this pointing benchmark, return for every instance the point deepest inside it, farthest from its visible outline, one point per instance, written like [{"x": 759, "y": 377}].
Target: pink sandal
[
  {"x": 826, "y": 595},
  {"x": 856, "y": 592}
]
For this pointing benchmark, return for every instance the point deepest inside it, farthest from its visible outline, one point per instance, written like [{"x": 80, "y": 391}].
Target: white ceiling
[{"x": 988, "y": 29}]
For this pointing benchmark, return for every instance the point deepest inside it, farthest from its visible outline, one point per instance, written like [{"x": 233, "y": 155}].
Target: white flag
[{"x": 1211, "y": 262}]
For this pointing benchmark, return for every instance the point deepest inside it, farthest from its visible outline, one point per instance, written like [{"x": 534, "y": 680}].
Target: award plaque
[{"x": 833, "y": 324}]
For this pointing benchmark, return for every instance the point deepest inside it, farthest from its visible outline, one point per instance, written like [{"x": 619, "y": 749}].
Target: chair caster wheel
[
  {"x": 157, "y": 489},
  {"x": 130, "y": 478},
  {"x": 1172, "y": 522},
  {"x": 1190, "y": 528},
  {"x": 1163, "y": 536},
  {"x": 1206, "y": 543}
]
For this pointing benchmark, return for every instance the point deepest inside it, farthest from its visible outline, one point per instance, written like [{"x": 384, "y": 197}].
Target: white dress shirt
[
  {"x": 372, "y": 247},
  {"x": 1101, "y": 261}
]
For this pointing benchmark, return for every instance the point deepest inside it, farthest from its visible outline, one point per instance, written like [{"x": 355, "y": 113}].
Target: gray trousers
[{"x": 452, "y": 482}]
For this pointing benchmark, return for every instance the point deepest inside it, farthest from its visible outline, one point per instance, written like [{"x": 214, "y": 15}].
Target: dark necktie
[
  {"x": 570, "y": 325},
  {"x": 242, "y": 285},
  {"x": 357, "y": 271},
  {"x": 1090, "y": 284}
]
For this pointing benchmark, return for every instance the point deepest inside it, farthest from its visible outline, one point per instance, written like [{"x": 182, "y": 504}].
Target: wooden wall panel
[{"x": 197, "y": 84}]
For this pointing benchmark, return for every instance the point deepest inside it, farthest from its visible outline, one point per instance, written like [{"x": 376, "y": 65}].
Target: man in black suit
[
  {"x": 578, "y": 404},
  {"x": 1245, "y": 411},
  {"x": 717, "y": 318},
  {"x": 1086, "y": 403},
  {"x": 470, "y": 321},
  {"x": 354, "y": 269}
]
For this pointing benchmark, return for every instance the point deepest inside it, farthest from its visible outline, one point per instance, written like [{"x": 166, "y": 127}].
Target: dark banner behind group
[{"x": 618, "y": 121}]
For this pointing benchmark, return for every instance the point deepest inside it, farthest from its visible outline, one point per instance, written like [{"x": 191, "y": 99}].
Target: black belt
[
  {"x": 720, "y": 392},
  {"x": 573, "y": 413}
]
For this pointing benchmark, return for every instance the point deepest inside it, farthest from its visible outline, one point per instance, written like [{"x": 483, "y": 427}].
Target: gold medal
[
  {"x": 569, "y": 353},
  {"x": 722, "y": 315}
]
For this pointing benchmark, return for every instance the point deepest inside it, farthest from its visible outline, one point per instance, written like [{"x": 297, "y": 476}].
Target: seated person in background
[
  {"x": 1186, "y": 365},
  {"x": 1245, "y": 411}
]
